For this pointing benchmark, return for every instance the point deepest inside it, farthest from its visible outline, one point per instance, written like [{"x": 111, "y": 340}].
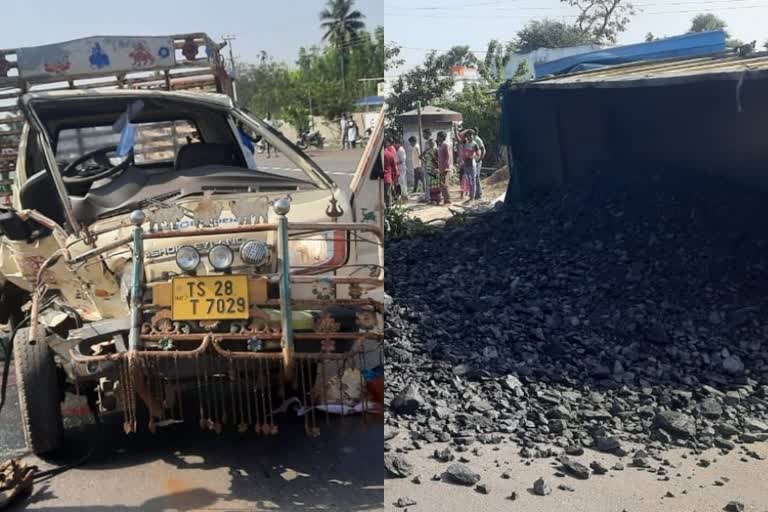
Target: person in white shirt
[
  {"x": 416, "y": 169},
  {"x": 352, "y": 133},
  {"x": 403, "y": 179}
]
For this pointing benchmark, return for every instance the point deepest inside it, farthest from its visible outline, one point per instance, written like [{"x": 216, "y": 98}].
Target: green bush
[{"x": 399, "y": 224}]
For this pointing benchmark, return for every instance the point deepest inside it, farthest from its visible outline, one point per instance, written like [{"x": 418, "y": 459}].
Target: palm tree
[{"x": 342, "y": 25}]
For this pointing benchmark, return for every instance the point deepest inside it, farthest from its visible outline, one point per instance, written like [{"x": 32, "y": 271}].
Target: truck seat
[{"x": 39, "y": 193}]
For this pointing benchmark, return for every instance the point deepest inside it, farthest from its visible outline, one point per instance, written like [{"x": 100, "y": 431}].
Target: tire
[{"x": 39, "y": 393}]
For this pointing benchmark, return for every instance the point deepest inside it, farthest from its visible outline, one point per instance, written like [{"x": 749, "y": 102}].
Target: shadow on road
[{"x": 340, "y": 470}]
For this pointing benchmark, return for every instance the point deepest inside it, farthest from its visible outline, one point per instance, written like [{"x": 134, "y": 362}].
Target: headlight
[
  {"x": 254, "y": 252},
  {"x": 308, "y": 252},
  {"x": 187, "y": 258},
  {"x": 221, "y": 257}
]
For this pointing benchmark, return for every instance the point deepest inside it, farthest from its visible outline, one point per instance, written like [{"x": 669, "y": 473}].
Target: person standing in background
[
  {"x": 343, "y": 131},
  {"x": 418, "y": 172},
  {"x": 402, "y": 166},
  {"x": 444, "y": 165},
  {"x": 481, "y": 145},
  {"x": 352, "y": 133},
  {"x": 429, "y": 166},
  {"x": 469, "y": 155},
  {"x": 390, "y": 170},
  {"x": 269, "y": 147}
]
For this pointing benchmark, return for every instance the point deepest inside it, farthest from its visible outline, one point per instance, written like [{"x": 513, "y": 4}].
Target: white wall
[{"x": 545, "y": 55}]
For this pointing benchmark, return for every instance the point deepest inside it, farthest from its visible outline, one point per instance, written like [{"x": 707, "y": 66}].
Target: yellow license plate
[{"x": 210, "y": 298}]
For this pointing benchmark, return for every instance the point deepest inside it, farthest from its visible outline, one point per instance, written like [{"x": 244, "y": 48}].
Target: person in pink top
[
  {"x": 444, "y": 164},
  {"x": 391, "y": 172}
]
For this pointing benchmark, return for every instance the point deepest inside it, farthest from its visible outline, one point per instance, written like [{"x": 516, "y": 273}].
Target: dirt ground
[
  {"x": 630, "y": 490},
  {"x": 494, "y": 188}
]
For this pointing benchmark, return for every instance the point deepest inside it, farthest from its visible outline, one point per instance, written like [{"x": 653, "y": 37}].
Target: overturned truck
[
  {"x": 703, "y": 114},
  {"x": 150, "y": 263}
]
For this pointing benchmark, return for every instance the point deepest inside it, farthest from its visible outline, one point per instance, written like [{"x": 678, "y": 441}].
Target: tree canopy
[
  {"x": 287, "y": 91},
  {"x": 341, "y": 23},
  {"x": 707, "y": 22},
  {"x": 549, "y": 33}
]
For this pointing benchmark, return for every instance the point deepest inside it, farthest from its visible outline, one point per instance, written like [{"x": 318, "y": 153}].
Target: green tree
[
  {"x": 429, "y": 81},
  {"x": 522, "y": 73},
  {"x": 392, "y": 59},
  {"x": 287, "y": 91},
  {"x": 602, "y": 20},
  {"x": 480, "y": 110},
  {"x": 497, "y": 56},
  {"x": 708, "y": 22},
  {"x": 342, "y": 25},
  {"x": 549, "y": 33}
]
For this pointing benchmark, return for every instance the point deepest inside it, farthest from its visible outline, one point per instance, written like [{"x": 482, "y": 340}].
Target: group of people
[
  {"x": 405, "y": 169},
  {"x": 350, "y": 132}
]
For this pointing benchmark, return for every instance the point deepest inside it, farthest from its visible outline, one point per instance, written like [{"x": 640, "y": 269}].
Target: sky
[
  {"x": 418, "y": 25},
  {"x": 279, "y": 27}
]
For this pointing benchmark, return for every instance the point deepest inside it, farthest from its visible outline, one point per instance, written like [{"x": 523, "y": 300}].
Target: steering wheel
[{"x": 93, "y": 166}]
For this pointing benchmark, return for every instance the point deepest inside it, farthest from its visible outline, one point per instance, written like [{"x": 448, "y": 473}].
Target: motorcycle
[
  {"x": 307, "y": 139},
  {"x": 260, "y": 146}
]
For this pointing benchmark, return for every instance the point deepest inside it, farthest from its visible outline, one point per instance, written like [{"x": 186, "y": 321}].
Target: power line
[
  {"x": 641, "y": 13},
  {"x": 539, "y": 8}
]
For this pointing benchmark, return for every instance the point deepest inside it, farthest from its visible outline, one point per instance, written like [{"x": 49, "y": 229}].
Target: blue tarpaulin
[
  {"x": 370, "y": 101},
  {"x": 685, "y": 46}
]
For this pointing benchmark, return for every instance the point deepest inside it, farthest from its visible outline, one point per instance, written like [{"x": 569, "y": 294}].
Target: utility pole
[
  {"x": 425, "y": 182},
  {"x": 229, "y": 38}
]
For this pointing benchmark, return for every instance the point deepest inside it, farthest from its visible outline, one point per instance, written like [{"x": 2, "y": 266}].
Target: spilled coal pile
[{"x": 630, "y": 309}]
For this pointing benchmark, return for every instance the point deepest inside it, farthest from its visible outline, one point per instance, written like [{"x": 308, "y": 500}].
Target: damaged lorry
[{"x": 149, "y": 263}]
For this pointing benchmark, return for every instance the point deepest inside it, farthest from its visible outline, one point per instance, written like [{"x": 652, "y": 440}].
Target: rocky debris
[
  {"x": 734, "y": 506},
  {"x": 408, "y": 401},
  {"x": 711, "y": 408},
  {"x": 627, "y": 311},
  {"x": 390, "y": 433},
  {"x": 541, "y": 488},
  {"x": 483, "y": 488},
  {"x": 733, "y": 365},
  {"x": 607, "y": 444},
  {"x": 404, "y": 502},
  {"x": 676, "y": 423},
  {"x": 461, "y": 474},
  {"x": 574, "y": 468},
  {"x": 755, "y": 425},
  {"x": 598, "y": 468},
  {"x": 567, "y": 488},
  {"x": 506, "y": 475},
  {"x": 397, "y": 466},
  {"x": 444, "y": 455}
]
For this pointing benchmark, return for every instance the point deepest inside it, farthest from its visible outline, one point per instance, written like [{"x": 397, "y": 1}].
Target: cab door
[{"x": 367, "y": 186}]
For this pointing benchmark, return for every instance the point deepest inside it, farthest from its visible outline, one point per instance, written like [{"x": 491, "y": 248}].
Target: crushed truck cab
[{"x": 163, "y": 268}]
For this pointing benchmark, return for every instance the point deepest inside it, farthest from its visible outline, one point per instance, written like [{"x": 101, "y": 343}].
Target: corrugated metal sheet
[{"x": 662, "y": 71}]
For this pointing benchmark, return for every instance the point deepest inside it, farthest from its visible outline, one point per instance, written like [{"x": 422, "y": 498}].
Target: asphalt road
[
  {"x": 182, "y": 468},
  {"x": 339, "y": 165}
]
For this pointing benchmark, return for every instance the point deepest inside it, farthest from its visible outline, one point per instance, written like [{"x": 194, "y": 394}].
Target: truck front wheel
[{"x": 39, "y": 393}]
